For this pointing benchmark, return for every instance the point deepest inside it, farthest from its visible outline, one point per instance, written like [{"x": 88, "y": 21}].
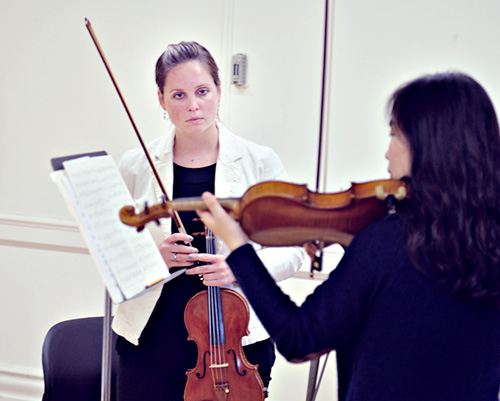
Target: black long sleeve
[{"x": 398, "y": 334}]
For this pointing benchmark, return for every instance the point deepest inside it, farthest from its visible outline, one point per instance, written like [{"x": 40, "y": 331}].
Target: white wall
[
  {"x": 56, "y": 99},
  {"x": 380, "y": 44}
]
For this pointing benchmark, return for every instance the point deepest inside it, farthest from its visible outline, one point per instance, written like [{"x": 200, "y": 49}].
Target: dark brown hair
[
  {"x": 453, "y": 224},
  {"x": 182, "y": 52}
]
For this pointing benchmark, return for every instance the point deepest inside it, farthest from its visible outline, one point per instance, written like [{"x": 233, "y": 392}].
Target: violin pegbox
[{"x": 129, "y": 216}]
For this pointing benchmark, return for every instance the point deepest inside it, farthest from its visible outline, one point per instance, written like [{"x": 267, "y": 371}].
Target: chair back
[{"x": 72, "y": 361}]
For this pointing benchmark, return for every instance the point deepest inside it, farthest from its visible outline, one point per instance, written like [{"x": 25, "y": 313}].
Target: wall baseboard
[{"x": 18, "y": 384}]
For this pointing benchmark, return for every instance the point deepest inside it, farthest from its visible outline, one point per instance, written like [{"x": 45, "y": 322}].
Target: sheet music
[
  {"x": 75, "y": 209},
  {"x": 133, "y": 259}
]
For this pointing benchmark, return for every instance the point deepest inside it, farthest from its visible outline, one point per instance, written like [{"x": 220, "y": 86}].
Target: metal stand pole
[
  {"x": 106, "y": 350},
  {"x": 311, "y": 384}
]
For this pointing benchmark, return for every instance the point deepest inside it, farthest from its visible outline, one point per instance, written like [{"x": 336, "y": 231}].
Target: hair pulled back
[
  {"x": 180, "y": 53},
  {"x": 454, "y": 219}
]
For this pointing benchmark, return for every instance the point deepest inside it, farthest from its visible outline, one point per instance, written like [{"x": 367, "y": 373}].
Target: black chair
[{"x": 72, "y": 360}]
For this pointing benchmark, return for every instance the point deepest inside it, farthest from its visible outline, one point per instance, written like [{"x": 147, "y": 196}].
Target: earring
[{"x": 165, "y": 115}]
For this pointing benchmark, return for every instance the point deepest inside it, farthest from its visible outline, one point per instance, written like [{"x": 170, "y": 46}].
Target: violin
[
  {"x": 277, "y": 213},
  {"x": 216, "y": 320}
]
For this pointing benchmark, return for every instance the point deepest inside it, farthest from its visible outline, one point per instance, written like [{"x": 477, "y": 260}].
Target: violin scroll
[{"x": 139, "y": 220}]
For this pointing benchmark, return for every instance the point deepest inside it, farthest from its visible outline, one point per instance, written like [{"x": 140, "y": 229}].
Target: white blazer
[{"x": 240, "y": 164}]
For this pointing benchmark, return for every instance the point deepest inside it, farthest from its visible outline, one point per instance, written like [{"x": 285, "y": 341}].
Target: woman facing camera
[{"x": 198, "y": 154}]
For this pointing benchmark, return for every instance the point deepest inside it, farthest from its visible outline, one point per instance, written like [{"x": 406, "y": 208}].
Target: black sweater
[{"x": 398, "y": 334}]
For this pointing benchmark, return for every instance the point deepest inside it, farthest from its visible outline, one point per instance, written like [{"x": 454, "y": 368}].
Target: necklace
[{"x": 193, "y": 159}]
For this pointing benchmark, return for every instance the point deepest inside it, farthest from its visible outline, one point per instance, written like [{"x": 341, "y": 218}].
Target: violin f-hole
[
  {"x": 243, "y": 372},
  {"x": 202, "y": 375}
]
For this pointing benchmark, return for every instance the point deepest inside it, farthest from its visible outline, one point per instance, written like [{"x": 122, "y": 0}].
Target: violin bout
[{"x": 222, "y": 372}]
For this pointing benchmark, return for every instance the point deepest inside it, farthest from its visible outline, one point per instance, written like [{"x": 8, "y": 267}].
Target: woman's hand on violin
[
  {"x": 221, "y": 224},
  {"x": 216, "y": 273},
  {"x": 175, "y": 254}
]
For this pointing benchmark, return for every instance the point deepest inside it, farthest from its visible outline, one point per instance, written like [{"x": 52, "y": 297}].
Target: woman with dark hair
[
  {"x": 452, "y": 130},
  {"x": 198, "y": 154},
  {"x": 413, "y": 308}
]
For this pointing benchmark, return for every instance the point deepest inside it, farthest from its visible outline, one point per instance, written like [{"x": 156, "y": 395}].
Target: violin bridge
[{"x": 220, "y": 365}]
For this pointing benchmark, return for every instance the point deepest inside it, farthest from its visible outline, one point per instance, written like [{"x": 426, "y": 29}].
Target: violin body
[
  {"x": 304, "y": 216},
  {"x": 222, "y": 372},
  {"x": 276, "y": 213}
]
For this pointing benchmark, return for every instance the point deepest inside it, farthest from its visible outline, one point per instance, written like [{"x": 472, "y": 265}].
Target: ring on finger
[{"x": 175, "y": 257}]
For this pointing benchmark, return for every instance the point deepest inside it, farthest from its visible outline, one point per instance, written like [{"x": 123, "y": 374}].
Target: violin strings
[
  {"x": 217, "y": 339},
  {"x": 211, "y": 313},
  {"x": 213, "y": 336}
]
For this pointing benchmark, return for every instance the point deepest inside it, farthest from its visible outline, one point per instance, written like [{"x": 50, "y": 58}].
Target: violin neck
[
  {"x": 210, "y": 241},
  {"x": 188, "y": 204}
]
